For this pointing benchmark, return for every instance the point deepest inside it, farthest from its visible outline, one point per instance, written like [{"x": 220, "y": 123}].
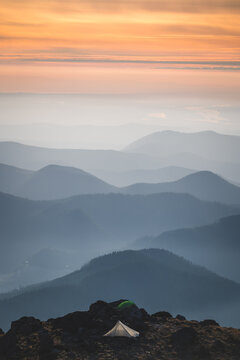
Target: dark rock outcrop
[
  {"x": 209, "y": 323},
  {"x": 163, "y": 315},
  {"x": 26, "y": 325},
  {"x": 79, "y": 336},
  {"x": 180, "y": 317}
]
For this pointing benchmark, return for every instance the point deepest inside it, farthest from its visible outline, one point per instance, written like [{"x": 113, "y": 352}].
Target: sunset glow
[{"x": 178, "y": 34}]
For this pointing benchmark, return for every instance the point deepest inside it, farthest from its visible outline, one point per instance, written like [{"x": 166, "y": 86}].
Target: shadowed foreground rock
[{"x": 79, "y": 336}]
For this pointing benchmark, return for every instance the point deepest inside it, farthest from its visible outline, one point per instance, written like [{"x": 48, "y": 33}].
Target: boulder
[
  {"x": 162, "y": 315},
  {"x": 26, "y": 325},
  {"x": 180, "y": 317},
  {"x": 72, "y": 322},
  {"x": 208, "y": 323}
]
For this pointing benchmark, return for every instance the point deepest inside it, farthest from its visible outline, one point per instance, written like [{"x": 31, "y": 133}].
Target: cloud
[
  {"x": 206, "y": 68},
  {"x": 165, "y": 64},
  {"x": 130, "y": 60},
  {"x": 158, "y": 115},
  {"x": 189, "y": 6},
  {"x": 160, "y": 5},
  {"x": 208, "y": 114}
]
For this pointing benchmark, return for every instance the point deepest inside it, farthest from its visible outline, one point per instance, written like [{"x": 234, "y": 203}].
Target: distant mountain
[
  {"x": 92, "y": 224},
  {"x": 205, "y": 150},
  {"x": 204, "y": 184},
  {"x": 109, "y": 161},
  {"x": 165, "y": 174},
  {"x": 154, "y": 279},
  {"x": 215, "y": 246},
  {"x": 51, "y": 182},
  {"x": 34, "y": 158},
  {"x": 206, "y": 144},
  {"x": 56, "y": 182},
  {"x": 29, "y": 226},
  {"x": 228, "y": 170},
  {"x": 12, "y": 178}
]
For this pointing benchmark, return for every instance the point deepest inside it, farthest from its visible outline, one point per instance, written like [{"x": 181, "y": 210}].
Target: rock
[
  {"x": 79, "y": 335},
  {"x": 184, "y": 337},
  {"x": 163, "y": 315},
  {"x": 101, "y": 309},
  {"x": 133, "y": 313},
  {"x": 180, "y": 317},
  {"x": 72, "y": 322},
  {"x": 208, "y": 323},
  {"x": 26, "y": 325}
]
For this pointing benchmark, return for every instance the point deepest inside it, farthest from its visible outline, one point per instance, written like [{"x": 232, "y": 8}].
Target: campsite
[{"x": 81, "y": 335}]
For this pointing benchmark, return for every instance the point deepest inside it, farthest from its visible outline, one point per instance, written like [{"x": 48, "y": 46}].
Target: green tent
[{"x": 125, "y": 304}]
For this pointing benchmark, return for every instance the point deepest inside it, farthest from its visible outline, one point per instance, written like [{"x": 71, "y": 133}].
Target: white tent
[{"x": 121, "y": 329}]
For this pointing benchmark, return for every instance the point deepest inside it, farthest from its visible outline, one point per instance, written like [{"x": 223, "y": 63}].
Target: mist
[{"x": 88, "y": 121}]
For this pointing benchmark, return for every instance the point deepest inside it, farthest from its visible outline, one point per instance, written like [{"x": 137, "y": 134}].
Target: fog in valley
[{"x": 83, "y": 197}]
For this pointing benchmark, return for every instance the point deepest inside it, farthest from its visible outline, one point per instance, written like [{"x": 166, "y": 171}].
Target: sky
[{"x": 179, "y": 57}]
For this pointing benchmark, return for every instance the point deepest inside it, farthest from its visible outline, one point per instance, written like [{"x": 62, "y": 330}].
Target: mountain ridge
[
  {"x": 153, "y": 278},
  {"x": 34, "y": 157},
  {"x": 224, "y": 159},
  {"x": 215, "y": 246},
  {"x": 54, "y": 182},
  {"x": 80, "y": 221},
  {"x": 158, "y": 175},
  {"x": 58, "y": 182},
  {"x": 204, "y": 185},
  {"x": 207, "y": 145}
]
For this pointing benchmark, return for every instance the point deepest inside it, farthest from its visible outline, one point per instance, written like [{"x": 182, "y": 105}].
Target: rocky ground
[{"x": 79, "y": 336}]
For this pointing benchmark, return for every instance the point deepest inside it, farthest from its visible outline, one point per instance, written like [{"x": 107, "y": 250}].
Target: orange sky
[{"x": 47, "y": 44}]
